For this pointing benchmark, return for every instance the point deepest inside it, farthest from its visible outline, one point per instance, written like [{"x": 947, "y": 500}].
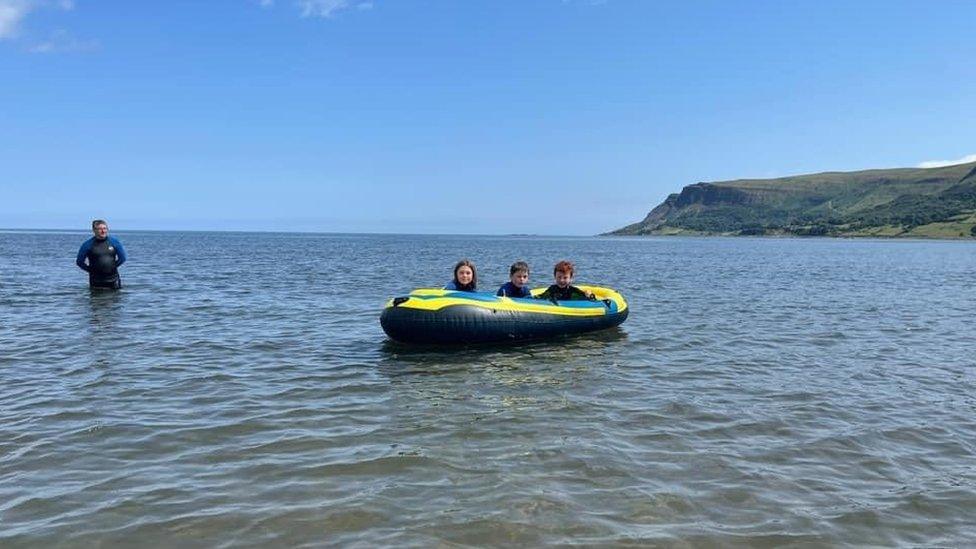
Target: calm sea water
[{"x": 239, "y": 392}]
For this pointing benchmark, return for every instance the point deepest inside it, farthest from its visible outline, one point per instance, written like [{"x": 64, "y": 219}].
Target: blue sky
[{"x": 486, "y": 117}]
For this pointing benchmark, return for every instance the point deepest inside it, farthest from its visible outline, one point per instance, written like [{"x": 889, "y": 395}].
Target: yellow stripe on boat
[{"x": 434, "y": 299}]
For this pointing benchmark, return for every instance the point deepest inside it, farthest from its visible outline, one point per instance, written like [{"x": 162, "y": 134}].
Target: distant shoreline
[
  {"x": 788, "y": 236},
  {"x": 84, "y": 231}
]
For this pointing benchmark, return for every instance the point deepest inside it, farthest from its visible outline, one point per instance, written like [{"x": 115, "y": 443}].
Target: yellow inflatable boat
[{"x": 448, "y": 316}]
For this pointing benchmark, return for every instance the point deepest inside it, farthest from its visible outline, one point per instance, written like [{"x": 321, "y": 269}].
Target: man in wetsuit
[{"x": 101, "y": 256}]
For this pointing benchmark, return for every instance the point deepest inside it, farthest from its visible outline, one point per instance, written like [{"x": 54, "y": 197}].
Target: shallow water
[{"x": 239, "y": 392}]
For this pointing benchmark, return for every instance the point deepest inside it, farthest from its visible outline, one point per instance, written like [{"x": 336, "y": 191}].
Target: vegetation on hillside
[{"x": 936, "y": 202}]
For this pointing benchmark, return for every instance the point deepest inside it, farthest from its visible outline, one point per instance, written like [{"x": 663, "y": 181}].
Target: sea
[{"x": 240, "y": 392}]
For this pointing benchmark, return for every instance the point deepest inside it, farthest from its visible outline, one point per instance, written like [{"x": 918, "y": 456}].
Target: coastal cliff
[{"x": 904, "y": 202}]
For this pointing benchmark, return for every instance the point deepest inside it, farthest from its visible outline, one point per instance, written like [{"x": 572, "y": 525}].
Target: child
[
  {"x": 518, "y": 275},
  {"x": 465, "y": 277},
  {"x": 562, "y": 290}
]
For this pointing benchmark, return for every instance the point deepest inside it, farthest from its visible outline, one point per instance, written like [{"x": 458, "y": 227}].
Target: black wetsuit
[
  {"x": 102, "y": 258},
  {"x": 555, "y": 293}
]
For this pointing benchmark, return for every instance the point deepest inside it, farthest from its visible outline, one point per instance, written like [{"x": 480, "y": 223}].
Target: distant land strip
[{"x": 902, "y": 202}]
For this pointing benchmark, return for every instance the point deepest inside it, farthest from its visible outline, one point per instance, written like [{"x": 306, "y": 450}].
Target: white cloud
[
  {"x": 321, "y": 8},
  {"x": 328, "y": 8},
  {"x": 940, "y": 163},
  {"x": 12, "y": 12}
]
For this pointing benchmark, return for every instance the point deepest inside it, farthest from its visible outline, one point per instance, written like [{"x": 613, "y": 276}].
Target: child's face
[
  {"x": 464, "y": 274},
  {"x": 563, "y": 278},
  {"x": 519, "y": 278}
]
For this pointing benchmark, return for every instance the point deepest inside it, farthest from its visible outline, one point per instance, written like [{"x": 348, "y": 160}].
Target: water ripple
[{"x": 763, "y": 393}]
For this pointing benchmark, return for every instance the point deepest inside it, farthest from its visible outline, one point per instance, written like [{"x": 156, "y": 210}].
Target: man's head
[
  {"x": 519, "y": 273},
  {"x": 563, "y": 273},
  {"x": 100, "y": 228}
]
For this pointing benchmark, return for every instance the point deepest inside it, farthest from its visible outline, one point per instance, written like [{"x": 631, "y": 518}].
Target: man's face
[
  {"x": 563, "y": 279},
  {"x": 100, "y": 230}
]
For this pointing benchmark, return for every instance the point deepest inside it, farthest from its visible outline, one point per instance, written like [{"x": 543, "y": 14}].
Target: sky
[{"x": 557, "y": 117}]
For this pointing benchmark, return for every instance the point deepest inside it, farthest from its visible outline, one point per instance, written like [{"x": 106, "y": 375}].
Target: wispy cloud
[
  {"x": 61, "y": 41},
  {"x": 940, "y": 163},
  {"x": 324, "y": 9},
  {"x": 328, "y": 8},
  {"x": 12, "y": 12},
  {"x": 321, "y": 8}
]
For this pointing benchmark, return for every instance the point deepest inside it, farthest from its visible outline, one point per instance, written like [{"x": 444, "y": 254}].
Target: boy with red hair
[{"x": 562, "y": 290}]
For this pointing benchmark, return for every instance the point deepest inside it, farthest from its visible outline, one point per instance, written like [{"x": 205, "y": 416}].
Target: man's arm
[
  {"x": 119, "y": 252},
  {"x": 82, "y": 253}
]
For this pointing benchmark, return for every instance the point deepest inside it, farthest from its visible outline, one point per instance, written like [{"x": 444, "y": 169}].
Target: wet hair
[
  {"x": 98, "y": 222},
  {"x": 518, "y": 266},
  {"x": 474, "y": 273},
  {"x": 564, "y": 267}
]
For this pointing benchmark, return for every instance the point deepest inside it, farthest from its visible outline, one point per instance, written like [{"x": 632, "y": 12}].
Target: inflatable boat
[{"x": 447, "y": 316}]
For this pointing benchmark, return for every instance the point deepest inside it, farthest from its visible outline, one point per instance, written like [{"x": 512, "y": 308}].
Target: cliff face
[
  {"x": 707, "y": 194},
  {"x": 662, "y": 210},
  {"x": 835, "y": 203},
  {"x": 697, "y": 196}
]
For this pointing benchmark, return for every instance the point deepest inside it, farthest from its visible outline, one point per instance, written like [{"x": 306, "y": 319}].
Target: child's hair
[
  {"x": 564, "y": 267},
  {"x": 474, "y": 272},
  {"x": 518, "y": 266}
]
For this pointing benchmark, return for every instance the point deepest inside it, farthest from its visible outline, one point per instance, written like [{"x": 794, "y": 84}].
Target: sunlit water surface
[{"x": 239, "y": 391}]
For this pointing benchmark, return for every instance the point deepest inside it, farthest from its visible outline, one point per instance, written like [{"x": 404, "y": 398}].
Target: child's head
[
  {"x": 518, "y": 273},
  {"x": 464, "y": 273},
  {"x": 563, "y": 272}
]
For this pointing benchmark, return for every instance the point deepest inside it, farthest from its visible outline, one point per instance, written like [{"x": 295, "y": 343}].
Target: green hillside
[{"x": 910, "y": 202}]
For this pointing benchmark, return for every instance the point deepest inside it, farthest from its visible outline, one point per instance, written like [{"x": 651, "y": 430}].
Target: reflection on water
[
  {"x": 400, "y": 353},
  {"x": 105, "y": 307}
]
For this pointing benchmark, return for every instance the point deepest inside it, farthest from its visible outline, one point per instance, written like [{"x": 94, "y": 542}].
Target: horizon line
[{"x": 257, "y": 231}]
